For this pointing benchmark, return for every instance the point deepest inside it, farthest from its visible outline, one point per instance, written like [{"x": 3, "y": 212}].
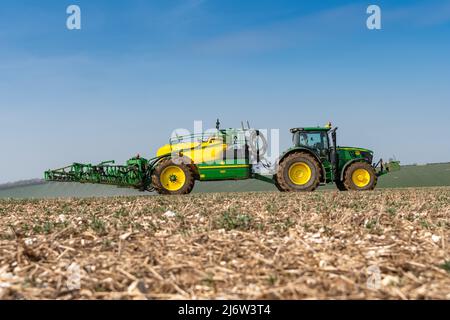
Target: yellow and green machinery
[{"x": 235, "y": 154}]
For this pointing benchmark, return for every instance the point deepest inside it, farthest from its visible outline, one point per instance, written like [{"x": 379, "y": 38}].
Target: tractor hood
[
  {"x": 354, "y": 149},
  {"x": 351, "y": 153}
]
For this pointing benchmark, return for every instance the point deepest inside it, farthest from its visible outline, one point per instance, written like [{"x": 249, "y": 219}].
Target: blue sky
[{"x": 139, "y": 69}]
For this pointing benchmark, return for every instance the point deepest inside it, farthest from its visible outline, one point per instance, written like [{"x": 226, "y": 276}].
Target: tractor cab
[{"x": 315, "y": 139}]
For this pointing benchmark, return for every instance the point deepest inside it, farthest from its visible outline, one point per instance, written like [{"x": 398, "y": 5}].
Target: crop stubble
[{"x": 263, "y": 245}]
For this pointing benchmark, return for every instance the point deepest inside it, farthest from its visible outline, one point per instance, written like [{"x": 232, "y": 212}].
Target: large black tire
[
  {"x": 163, "y": 187},
  {"x": 340, "y": 185},
  {"x": 366, "y": 184},
  {"x": 277, "y": 184},
  {"x": 285, "y": 183}
]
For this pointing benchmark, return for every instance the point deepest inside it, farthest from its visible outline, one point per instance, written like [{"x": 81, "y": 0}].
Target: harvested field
[{"x": 386, "y": 244}]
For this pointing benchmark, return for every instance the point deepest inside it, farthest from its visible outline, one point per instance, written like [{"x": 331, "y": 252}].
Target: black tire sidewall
[
  {"x": 341, "y": 186},
  {"x": 278, "y": 185}
]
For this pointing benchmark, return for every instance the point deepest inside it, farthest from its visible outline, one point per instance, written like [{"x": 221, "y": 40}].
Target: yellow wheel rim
[
  {"x": 299, "y": 173},
  {"x": 173, "y": 178},
  {"x": 361, "y": 178}
]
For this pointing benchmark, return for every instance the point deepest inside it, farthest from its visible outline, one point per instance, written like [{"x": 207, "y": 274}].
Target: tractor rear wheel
[
  {"x": 298, "y": 172},
  {"x": 360, "y": 176},
  {"x": 173, "y": 177},
  {"x": 340, "y": 185},
  {"x": 277, "y": 184}
]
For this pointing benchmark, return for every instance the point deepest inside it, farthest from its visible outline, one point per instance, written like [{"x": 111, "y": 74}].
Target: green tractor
[
  {"x": 237, "y": 154},
  {"x": 316, "y": 159}
]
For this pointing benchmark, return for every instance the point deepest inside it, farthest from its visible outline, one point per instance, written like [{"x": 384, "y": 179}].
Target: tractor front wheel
[
  {"x": 298, "y": 172},
  {"x": 173, "y": 177},
  {"x": 360, "y": 176}
]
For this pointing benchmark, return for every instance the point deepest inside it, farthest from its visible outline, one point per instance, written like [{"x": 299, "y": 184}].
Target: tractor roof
[{"x": 293, "y": 130}]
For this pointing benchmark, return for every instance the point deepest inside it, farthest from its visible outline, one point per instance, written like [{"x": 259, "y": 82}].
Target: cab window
[{"x": 314, "y": 140}]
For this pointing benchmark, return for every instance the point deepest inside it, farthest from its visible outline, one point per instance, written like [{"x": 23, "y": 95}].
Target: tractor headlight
[{"x": 367, "y": 155}]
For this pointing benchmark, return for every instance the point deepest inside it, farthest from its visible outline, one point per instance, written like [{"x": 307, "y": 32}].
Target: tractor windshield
[{"x": 314, "y": 140}]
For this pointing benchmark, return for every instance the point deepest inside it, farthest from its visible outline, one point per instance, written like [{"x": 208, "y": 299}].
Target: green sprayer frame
[{"x": 135, "y": 174}]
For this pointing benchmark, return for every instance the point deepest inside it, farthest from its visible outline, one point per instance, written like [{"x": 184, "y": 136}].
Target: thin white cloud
[
  {"x": 341, "y": 21},
  {"x": 420, "y": 15},
  {"x": 287, "y": 33},
  {"x": 185, "y": 9}
]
